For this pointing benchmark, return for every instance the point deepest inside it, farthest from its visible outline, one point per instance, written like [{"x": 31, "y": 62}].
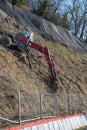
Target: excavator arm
[{"x": 50, "y": 63}]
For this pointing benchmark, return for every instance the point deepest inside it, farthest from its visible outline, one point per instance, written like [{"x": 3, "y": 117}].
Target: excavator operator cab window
[{"x": 28, "y": 34}]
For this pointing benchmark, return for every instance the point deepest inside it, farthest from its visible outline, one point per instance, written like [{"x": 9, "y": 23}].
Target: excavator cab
[{"x": 27, "y": 34}]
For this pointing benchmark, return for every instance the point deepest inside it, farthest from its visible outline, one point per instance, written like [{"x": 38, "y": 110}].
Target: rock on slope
[{"x": 47, "y": 29}]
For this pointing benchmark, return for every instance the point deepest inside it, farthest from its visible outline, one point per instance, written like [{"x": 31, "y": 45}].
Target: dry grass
[{"x": 15, "y": 74}]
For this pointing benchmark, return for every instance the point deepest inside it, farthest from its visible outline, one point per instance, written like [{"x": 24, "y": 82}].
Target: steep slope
[
  {"x": 15, "y": 74},
  {"x": 46, "y": 29},
  {"x": 71, "y": 66}
]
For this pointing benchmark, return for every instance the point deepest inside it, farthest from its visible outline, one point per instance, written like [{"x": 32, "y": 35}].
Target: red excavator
[{"x": 24, "y": 40}]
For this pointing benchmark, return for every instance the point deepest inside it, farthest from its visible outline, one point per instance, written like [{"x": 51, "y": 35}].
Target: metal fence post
[
  {"x": 41, "y": 111},
  {"x": 19, "y": 108},
  {"x": 69, "y": 99},
  {"x": 57, "y": 104}
]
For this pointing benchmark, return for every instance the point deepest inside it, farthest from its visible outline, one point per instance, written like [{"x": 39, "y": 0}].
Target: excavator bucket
[{"x": 54, "y": 85}]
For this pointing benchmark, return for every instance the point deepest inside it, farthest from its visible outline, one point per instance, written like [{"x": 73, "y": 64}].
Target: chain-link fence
[{"x": 22, "y": 107}]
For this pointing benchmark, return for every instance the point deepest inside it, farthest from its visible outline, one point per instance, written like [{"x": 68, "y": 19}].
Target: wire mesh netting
[{"x": 24, "y": 106}]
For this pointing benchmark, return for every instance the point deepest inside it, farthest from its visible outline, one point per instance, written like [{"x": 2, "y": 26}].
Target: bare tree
[
  {"x": 78, "y": 17},
  {"x": 84, "y": 18},
  {"x": 56, "y": 5}
]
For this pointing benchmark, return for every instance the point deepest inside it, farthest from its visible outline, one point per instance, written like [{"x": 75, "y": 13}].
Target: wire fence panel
[
  {"x": 48, "y": 104},
  {"x": 63, "y": 104},
  {"x": 9, "y": 105},
  {"x": 30, "y": 106},
  {"x": 73, "y": 103},
  {"x": 83, "y": 103}
]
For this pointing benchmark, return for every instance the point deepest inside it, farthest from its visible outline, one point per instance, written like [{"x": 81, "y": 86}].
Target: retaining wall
[{"x": 61, "y": 123}]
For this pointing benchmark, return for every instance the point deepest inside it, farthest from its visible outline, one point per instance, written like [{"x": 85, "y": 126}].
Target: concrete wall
[{"x": 61, "y": 123}]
